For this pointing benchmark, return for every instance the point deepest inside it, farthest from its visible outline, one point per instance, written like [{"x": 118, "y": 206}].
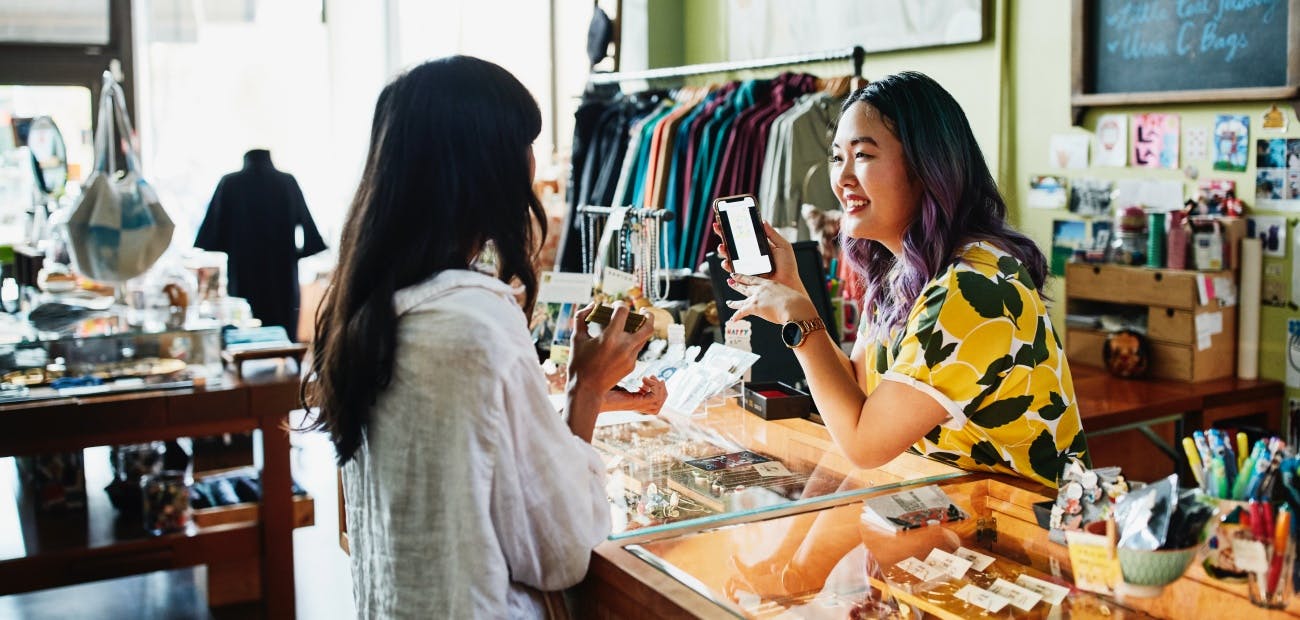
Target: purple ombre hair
[{"x": 960, "y": 203}]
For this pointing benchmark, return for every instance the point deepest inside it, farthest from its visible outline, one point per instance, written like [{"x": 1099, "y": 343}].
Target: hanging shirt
[
  {"x": 980, "y": 343},
  {"x": 253, "y": 217},
  {"x": 469, "y": 494}
]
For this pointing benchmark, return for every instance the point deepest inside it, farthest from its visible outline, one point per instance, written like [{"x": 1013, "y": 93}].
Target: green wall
[{"x": 1015, "y": 89}]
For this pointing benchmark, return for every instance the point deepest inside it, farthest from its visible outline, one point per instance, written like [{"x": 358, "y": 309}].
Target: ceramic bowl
[{"x": 1146, "y": 573}]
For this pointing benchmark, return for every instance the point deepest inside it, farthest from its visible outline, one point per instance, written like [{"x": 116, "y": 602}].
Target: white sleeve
[{"x": 548, "y": 489}]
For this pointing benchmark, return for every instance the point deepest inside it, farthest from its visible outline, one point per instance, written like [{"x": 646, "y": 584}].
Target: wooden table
[
  {"x": 254, "y": 558},
  {"x": 1133, "y": 414}
]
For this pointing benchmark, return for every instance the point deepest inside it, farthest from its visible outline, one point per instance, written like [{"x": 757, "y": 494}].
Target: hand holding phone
[{"x": 743, "y": 231}]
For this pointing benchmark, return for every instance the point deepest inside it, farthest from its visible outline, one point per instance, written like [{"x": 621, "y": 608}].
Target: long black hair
[
  {"x": 960, "y": 204},
  {"x": 447, "y": 177}
]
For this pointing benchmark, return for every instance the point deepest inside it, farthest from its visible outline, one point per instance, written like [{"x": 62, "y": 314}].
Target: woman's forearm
[{"x": 833, "y": 386}]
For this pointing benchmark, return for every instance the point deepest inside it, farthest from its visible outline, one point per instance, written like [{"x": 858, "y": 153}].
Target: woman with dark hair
[
  {"x": 467, "y": 494},
  {"x": 958, "y": 358}
]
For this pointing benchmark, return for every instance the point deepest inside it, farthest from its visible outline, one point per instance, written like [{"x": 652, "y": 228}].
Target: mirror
[{"x": 49, "y": 154}]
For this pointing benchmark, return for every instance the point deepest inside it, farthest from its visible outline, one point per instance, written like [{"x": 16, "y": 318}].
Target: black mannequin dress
[{"x": 253, "y": 218}]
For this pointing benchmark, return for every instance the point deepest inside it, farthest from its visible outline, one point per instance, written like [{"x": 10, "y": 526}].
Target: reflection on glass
[
  {"x": 54, "y": 21},
  {"x": 668, "y": 471},
  {"x": 831, "y": 564}
]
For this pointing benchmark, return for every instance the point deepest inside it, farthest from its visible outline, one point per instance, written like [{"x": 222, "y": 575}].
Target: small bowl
[{"x": 1146, "y": 573}]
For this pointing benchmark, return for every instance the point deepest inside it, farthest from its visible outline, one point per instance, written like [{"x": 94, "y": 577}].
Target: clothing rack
[{"x": 857, "y": 53}]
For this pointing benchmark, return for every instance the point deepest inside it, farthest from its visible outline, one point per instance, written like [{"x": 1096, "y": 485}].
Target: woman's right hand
[
  {"x": 784, "y": 268},
  {"x": 597, "y": 364}
]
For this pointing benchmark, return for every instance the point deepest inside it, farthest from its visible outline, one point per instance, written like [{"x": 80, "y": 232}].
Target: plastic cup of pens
[
  {"x": 166, "y": 502},
  {"x": 1264, "y": 549}
]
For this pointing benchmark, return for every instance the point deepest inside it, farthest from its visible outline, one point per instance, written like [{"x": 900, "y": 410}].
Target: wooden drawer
[
  {"x": 1171, "y": 325},
  {"x": 1180, "y": 362},
  {"x": 1141, "y": 286}
]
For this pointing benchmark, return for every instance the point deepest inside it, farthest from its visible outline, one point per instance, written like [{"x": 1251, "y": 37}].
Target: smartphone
[{"x": 746, "y": 241}]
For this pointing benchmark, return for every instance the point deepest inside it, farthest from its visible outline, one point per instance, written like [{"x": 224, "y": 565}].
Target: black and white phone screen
[{"x": 750, "y": 253}]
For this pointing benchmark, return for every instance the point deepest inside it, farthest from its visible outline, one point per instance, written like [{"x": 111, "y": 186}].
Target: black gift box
[{"x": 791, "y": 404}]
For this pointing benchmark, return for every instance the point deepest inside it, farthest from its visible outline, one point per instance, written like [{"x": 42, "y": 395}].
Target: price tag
[
  {"x": 978, "y": 560},
  {"x": 616, "y": 282},
  {"x": 771, "y": 469},
  {"x": 1023, "y": 598},
  {"x": 1052, "y": 593},
  {"x": 920, "y": 569},
  {"x": 1249, "y": 555},
  {"x": 950, "y": 564},
  {"x": 983, "y": 599}
]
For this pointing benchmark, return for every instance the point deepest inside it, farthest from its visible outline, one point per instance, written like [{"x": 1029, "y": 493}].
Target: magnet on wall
[{"x": 1274, "y": 120}]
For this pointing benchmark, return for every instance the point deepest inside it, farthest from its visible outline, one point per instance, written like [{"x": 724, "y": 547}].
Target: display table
[
  {"x": 249, "y": 559},
  {"x": 1134, "y": 414}
]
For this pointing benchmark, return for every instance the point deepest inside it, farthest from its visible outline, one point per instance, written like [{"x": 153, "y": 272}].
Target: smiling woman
[{"x": 958, "y": 359}]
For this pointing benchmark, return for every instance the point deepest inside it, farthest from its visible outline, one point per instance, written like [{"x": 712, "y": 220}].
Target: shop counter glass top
[
  {"x": 830, "y": 564},
  {"x": 669, "y": 473}
]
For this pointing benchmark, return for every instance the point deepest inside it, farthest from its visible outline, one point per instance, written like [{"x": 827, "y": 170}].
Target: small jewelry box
[{"x": 776, "y": 401}]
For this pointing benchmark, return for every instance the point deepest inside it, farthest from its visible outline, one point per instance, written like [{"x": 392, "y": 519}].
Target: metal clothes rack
[{"x": 857, "y": 53}]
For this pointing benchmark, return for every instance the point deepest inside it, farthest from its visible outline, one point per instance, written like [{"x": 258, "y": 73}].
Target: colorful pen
[
  {"x": 1194, "y": 460},
  {"x": 1241, "y": 450}
]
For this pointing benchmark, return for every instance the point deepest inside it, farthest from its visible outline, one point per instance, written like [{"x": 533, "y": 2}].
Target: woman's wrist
[{"x": 799, "y": 308}]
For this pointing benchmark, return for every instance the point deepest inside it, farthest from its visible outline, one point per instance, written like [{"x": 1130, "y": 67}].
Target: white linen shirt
[{"x": 469, "y": 493}]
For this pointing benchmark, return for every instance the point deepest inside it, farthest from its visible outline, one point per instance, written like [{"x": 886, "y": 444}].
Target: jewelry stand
[{"x": 640, "y": 247}]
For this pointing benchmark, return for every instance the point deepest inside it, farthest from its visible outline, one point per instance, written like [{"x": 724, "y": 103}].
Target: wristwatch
[{"x": 795, "y": 333}]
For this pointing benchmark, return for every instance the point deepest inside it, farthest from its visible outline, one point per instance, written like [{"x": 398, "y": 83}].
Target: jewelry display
[
  {"x": 664, "y": 475},
  {"x": 636, "y": 247}
]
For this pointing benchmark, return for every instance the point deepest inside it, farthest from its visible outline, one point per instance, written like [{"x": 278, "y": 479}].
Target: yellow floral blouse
[{"x": 979, "y": 341}]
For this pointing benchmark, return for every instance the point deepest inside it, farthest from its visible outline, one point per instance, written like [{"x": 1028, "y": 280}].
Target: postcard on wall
[
  {"x": 1150, "y": 194},
  {"x": 1196, "y": 144},
  {"x": 1067, "y": 236},
  {"x": 1271, "y": 232},
  {"x": 1155, "y": 140},
  {"x": 1047, "y": 192},
  {"x": 1069, "y": 150},
  {"x": 1090, "y": 197},
  {"x": 1231, "y": 139},
  {"x": 1112, "y": 141},
  {"x": 1277, "y": 174}
]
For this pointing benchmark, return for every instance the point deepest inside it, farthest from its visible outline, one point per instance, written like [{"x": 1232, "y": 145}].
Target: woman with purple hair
[{"x": 958, "y": 358}]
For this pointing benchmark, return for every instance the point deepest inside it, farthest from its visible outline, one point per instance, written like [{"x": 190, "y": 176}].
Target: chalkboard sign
[{"x": 1151, "y": 51}]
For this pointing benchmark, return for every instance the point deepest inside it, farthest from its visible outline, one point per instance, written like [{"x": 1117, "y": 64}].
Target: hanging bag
[{"x": 118, "y": 229}]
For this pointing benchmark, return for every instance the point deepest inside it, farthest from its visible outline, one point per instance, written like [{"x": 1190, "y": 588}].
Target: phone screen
[{"x": 750, "y": 254}]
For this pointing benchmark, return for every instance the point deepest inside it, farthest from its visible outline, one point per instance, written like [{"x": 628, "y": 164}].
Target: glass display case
[
  {"x": 670, "y": 472},
  {"x": 831, "y": 564},
  {"x": 100, "y": 352}
]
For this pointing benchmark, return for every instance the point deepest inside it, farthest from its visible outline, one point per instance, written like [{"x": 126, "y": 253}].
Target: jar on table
[{"x": 165, "y": 505}]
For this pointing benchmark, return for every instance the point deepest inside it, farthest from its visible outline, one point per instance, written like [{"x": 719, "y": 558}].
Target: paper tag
[
  {"x": 1052, "y": 593},
  {"x": 1202, "y": 342},
  {"x": 1249, "y": 555},
  {"x": 979, "y": 560},
  {"x": 616, "y": 217},
  {"x": 1095, "y": 564},
  {"x": 771, "y": 469},
  {"x": 982, "y": 598},
  {"x": 1023, "y": 598},
  {"x": 562, "y": 287},
  {"x": 920, "y": 569},
  {"x": 950, "y": 564},
  {"x": 617, "y": 282}
]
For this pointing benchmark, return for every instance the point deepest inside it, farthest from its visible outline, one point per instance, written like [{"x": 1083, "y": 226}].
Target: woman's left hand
[
  {"x": 649, "y": 400},
  {"x": 769, "y": 300}
]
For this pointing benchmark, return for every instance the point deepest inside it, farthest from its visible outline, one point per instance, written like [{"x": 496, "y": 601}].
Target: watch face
[{"x": 791, "y": 334}]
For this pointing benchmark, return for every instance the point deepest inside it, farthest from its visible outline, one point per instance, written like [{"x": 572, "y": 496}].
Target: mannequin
[{"x": 253, "y": 218}]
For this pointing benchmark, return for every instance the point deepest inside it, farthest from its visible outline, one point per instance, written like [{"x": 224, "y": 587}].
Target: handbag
[{"x": 117, "y": 229}]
